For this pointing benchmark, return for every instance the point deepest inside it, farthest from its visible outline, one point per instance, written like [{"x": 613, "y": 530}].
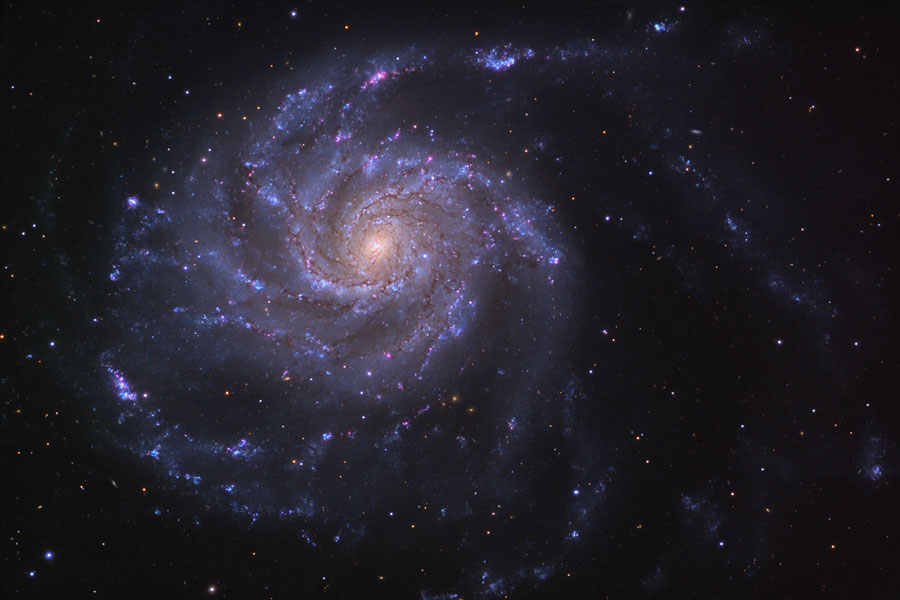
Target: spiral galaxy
[
  {"x": 368, "y": 274},
  {"x": 364, "y": 301},
  {"x": 475, "y": 316}
]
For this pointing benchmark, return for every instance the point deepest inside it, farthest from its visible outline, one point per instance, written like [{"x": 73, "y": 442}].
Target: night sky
[{"x": 322, "y": 300}]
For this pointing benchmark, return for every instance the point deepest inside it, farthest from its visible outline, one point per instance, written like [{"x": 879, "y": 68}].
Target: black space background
[{"x": 104, "y": 543}]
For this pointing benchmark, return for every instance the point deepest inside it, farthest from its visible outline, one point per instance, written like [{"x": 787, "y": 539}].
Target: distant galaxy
[
  {"x": 500, "y": 312},
  {"x": 382, "y": 289}
]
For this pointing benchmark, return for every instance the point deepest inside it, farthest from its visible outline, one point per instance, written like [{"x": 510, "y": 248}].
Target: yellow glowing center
[{"x": 377, "y": 244}]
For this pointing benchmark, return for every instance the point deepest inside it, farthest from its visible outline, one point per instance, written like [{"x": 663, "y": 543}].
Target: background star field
[{"x": 343, "y": 301}]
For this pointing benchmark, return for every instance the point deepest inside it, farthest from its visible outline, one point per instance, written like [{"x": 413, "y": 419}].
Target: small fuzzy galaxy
[{"x": 320, "y": 301}]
